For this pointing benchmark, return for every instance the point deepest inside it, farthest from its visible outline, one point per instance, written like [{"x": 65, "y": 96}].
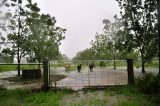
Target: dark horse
[
  {"x": 79, "y": 67},
  {"x": 91, "y": 67}
]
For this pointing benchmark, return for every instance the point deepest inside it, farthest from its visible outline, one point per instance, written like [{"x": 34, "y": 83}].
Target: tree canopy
[
  {"x": 140, "y": 21},
  {"x": 32, "y": 34}
]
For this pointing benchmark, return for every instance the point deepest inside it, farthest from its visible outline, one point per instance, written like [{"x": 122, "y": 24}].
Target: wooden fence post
[
  {"x": 130, "y": 71},
  {"x": 45, "y": 75}
]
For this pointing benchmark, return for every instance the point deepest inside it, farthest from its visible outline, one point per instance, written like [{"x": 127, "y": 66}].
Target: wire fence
[
  {"x": 103, "y": 73},
  {"x": 65, "y": 74}
]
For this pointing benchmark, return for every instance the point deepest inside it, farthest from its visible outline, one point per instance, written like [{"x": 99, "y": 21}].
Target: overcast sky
[{"x": 81, "y": 18}]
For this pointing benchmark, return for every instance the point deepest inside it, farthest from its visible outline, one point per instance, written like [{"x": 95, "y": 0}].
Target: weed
[{"x": 149, "y": 84}]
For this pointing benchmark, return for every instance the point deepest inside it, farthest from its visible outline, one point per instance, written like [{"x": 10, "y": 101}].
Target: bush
[
  {"x": 2, "y": 87},
  {"x": 149, "y": 84},
  {"x": 102, "y": 64}
]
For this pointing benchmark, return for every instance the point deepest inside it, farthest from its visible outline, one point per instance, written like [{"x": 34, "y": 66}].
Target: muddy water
[
  {"x": 77, "y": 80},
  {"x": 8, "y": 74},
  {"x": 13, "y": 85}
]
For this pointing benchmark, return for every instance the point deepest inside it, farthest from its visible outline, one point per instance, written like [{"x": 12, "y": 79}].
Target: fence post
[
  {"x": 45, "y": 75},
  {"x": 130, "y": 71}
]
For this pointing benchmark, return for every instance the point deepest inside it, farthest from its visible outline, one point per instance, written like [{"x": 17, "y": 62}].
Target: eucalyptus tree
[
  {"x": 140, "y": 19},
  {"x": 108, "y": 44},
  {"x": 100, "y": 47},
  {"x": 112, "y": 31},
  {"x": 3, "y": 4},
  {"x": 44, "y": 36},
  {"x": 16, "y": 27},
  {"x": 158, "y": 41},
  {"x": 8, "y": 55},
  {"x": 87, "y": 54}
]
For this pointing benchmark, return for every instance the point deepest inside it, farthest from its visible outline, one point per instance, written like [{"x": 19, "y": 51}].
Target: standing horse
[
  {"x": 91, "y": 67},
  {"x": 79, "y": 68},
  {"x": 67, "y": 66}
]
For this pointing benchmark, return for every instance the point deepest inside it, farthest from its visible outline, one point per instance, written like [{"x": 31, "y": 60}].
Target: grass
[
  {"x": 90, "y": 102},
  {"x": 14, "y": 67},
  {"x": 85, "y": 99},
  {"x": 73, "y": 66},
  {"x": 111, "y": 96},
  {"x": 28, "y": 98},
  {"x": 152, "y": 64},
  {"x": 129, "y": 96}
]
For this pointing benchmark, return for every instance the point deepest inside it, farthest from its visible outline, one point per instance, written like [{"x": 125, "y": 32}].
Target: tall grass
[
  {"x": 116, "y": 96},
  {"x": 129, "y": 96},
  {"x": 28, "y": 98}
]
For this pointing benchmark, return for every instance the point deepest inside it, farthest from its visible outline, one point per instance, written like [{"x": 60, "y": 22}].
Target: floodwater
[
  {"x": 76, "y": 80},
  {"x": 7, "y": 74}
]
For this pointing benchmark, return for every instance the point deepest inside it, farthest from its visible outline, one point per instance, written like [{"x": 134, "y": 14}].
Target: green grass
[
  {"x": 137, "y": 64},
  {"x": 123, "y": 102},
  {"x": 57, "y": 65},
  {"x": 28, "y": 98},
  {"x": 116, "y": 96},
  {"x": 152, "y": 64},
  {"x": 135, "y": 101},
  {"x": 73, "y": 66},
  {"x": 129, "y": 96},
  {"x": 90, "y": 102},
  {"x": 7, "y": 67},
  {"x": 14, "y": 67}
]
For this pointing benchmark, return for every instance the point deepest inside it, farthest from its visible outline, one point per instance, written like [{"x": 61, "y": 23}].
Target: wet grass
[
  {"x": 110, "y": 96},
  {"x": 137, "y": 64},
  {"x": 129, "y": 96},
  {"x": 85, "y": 99},
  {"x": 14, "y": 67},
  {"x": 29, "y": 98}
]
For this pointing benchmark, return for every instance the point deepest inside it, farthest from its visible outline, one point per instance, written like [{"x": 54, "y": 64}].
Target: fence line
[
  {"x": 101, "y": 76},
  {"x": 21, "y": 63}
]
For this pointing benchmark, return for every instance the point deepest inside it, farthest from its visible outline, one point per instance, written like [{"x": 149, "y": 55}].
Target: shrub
[
  {"x": 102, "y": 64},
  {"x": 3, "y": 85},
  {"x": 149, "y": 84}
]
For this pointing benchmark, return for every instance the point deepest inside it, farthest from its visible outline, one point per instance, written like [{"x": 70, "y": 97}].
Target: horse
[
  {"x": 67, "y": 66},
  {"x": 79, "y": 68},
  {"x": 91, "y": 67}
]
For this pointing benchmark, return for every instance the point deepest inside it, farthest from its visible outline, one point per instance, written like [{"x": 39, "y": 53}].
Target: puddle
[{"x": 8, "y": 74}]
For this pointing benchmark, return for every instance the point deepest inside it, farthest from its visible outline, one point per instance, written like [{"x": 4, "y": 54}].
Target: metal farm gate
[{"x": 65, "y": 74}]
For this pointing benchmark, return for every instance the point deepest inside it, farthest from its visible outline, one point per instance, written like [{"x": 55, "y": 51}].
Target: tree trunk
[
  {"x": 18, "y": 59},
  {"x": 158, "y": 9},
  {"x": 143, "y": 69},
  {"x": 142, "y": 57},
  {"x": 18, "y": 68},
  {"x": 39, "y": 66},
  {"x": 114, "y": 62}
]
